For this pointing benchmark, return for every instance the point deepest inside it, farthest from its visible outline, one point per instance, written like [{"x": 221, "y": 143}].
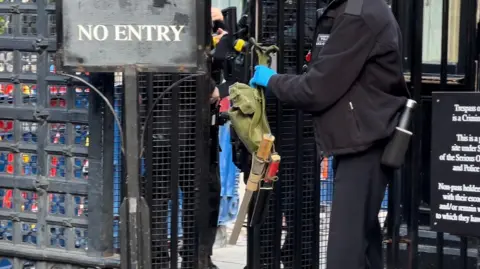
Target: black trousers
[{"x": 355, "y": 239}]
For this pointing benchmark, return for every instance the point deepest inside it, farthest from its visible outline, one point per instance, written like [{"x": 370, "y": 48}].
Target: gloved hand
[{"x": 261, "y": 76}]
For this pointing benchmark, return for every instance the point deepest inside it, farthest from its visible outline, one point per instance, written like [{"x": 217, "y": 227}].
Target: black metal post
[
  {"x": 108, "y": 144},
  {"x": 299, "y": 117},
  {"x": 174, "y": 171},
  {"x": 389, "y": 235},
  {"x": 100, "y": 159},
  {"x": 253, "y": 233},
  {"x": 463, "y": 253},
  {"x": 278, "y": 217},
  {"x": 134, "y": 212},
  {"x": 394, "y": 220},
  {"x": 443, "y": 85},
  {"x": 316, "y": 198},
  {"x": 416, "y": 39}
]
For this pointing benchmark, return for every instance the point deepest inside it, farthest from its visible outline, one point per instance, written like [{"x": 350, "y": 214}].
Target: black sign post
[
  {"x": 132, "y": 36},
  {"x": 455, "y": 163}
]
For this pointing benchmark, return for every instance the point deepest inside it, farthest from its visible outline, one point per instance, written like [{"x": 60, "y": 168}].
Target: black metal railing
[
  {"x": 174, "y": 156},
  {"x": 414, "y": 244},
  {"x": 289, "y": 235},
  {"x": 55, "y": 184}
]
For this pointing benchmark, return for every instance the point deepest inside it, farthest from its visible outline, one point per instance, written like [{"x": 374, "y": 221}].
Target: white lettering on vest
[{"x": 322, "y": 39}]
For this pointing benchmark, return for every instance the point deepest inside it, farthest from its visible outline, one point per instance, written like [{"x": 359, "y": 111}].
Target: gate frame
[{"x": 412, "y": 174}]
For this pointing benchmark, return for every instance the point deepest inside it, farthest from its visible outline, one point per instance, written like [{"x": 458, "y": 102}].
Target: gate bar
[
  {"x": 107, "y": 198},
  {"x": 299, "y": 117},
  {"x": 174, "y": 172},
  {"x": 316, "y": 185},
  {"x": 100, "y": 194},
  {"x": 278, "y": 216},
  {"x": 134, "y": 211},
  {"x": 253, "y": 233},
  {"x": 55, "y": 255},
  {"x": 468, "y": 17},
  {"x": 463, "y": 253},
  {"x": 443, "y": 85},
  {"x": 416, "y": 38}
]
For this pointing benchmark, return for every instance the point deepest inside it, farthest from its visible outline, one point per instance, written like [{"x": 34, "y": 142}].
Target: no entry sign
[{"x": 151, "y": 34}]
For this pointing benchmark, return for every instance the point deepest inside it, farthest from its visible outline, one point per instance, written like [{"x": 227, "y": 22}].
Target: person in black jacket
[
  {"x": 218, "y": 90},
  {"x": 355, "y": 89}
]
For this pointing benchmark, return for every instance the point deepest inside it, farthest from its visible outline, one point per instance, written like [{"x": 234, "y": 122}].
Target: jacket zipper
[{"x": 354, "y": 116}]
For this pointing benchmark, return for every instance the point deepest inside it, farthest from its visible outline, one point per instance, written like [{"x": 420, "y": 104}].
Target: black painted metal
[
  {"x": 410, "y": 242},
  {"x": 420, "y": 247},
  {"x": 56, "y": 171},
  {"x": 175, "y": 164},
  {"x": 289, "y": 235}
]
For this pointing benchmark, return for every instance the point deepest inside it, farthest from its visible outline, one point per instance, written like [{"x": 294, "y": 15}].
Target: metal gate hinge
[
  {"x": 41, "y": 115},
  {"x": 14, "y": 79},
  {"x": 68, "y": 151},
  {"x": 13, "y": 147},
  {"x": 67, "y": 223},
  {"x": 41, "y": 184},
  {"x": 40, "y": 44},
  {"x": 15, "y": 9},
  {"x": 15, "y": 217},
  {"x": 68, "y": 81}
]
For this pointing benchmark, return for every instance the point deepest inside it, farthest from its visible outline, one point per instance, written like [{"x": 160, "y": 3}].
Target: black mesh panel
[{"x": 160, "y": 137}]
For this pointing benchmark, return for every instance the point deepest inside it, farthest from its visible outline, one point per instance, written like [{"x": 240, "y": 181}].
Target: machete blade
[{"x": 242, "y": 213}]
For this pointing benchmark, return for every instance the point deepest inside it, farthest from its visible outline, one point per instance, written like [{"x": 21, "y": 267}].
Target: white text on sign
[{"x": 154, "y": 33}]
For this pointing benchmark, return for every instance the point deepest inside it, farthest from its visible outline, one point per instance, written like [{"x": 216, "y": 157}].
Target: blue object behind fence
[
  {"x": 229, "y": 181},
  {"x": 117, "y": 166},
  {"x": 326, "y": 188},
  {"x": 229, "y": 178}
]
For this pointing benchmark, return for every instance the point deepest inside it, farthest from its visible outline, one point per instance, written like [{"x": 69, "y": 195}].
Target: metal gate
[
  {"x": 295, "y": 231},
  {"x": 56, "y": 151},
  {"x": 291, "y": 234},
  {"x": 175, "y": 166},
  {"x": 413, "y": 244}
]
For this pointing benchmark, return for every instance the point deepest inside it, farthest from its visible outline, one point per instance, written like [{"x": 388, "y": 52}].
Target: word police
[{"x": 155, "y": 33}]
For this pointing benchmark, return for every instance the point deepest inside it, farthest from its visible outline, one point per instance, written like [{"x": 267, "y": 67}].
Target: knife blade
[{"x": 259, "y": 165}]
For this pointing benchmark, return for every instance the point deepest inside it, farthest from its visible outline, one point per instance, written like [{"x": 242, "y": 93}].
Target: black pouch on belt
[{"x": 395, "y": 151}]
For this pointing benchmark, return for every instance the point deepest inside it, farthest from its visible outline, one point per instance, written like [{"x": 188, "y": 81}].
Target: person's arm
[
  {"x": 333, "y": 72},
  {"x": 224, "y": 88},
  {"x": 214, "y": 92}
]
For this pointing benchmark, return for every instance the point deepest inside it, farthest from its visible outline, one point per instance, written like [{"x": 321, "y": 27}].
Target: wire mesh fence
[
  {"x": 170, "y": 178},
  {"x": 304, "y": 192},
  {"x": 294, "y": 241}
]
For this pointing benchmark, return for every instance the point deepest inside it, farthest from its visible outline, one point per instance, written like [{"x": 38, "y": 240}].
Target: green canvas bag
[{"x": 247, "y": 113}]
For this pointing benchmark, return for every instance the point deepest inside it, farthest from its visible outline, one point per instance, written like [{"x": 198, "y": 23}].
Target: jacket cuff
[{"x": 272, "y": 82}]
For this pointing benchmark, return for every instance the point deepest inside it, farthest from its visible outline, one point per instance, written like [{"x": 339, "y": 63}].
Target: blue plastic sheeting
[
  {"x": 326, "y": 188},
  {"x": 229, "y": 174}
]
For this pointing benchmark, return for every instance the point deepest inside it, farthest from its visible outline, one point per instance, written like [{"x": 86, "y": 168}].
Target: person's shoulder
[{"x": 377, "y": 15}]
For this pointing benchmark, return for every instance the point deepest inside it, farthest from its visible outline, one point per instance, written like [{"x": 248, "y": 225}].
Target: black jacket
[
  {"x": 354, "y": 86},
  {"x": 219, "y": 55}
]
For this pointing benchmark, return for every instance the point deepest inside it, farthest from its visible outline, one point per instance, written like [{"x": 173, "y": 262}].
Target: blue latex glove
[{"x": 261, "y": 76}]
